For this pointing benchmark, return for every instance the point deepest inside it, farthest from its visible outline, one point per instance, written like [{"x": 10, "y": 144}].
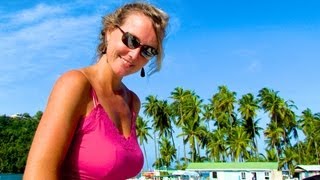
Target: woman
[{"x": 87, "y": 130}]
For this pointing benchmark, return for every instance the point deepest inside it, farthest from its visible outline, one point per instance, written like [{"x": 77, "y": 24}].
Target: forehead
[
  {"x": 137, "y": 19},
  {"x": 142, "y": 27}
]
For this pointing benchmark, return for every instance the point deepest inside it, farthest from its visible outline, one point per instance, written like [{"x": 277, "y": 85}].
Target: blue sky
[{"x": 243, "y": 44}]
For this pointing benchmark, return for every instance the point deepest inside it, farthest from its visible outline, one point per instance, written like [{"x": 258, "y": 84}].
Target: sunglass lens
[
  {"x": 131, "y": 41},
  {"x": 148, "y": 52}
]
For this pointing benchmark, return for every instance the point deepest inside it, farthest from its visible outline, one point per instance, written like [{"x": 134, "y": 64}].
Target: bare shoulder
[
  {"x": 70, "y": 92},
  {"x": 73, "y": 82},
  {"x": 73, "y": 78}
]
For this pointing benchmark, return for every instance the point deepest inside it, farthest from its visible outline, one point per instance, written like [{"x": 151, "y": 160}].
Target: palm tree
[
  {"x": 317, "y": 136},
  {"x": 239, "y": 142},
  {"x": 193, "y": 108},
  {"x": 142, "y": 129},
  {"x": 180, "y": 98},
  {"x": 281, "y": 115},
  {"x": 307, "y": 120},
  {"x": 223, "y": 107},
  {"x": 272, "y": 103},
  {"x": 158, "y": 163},
  {"x": 309, "y": 123},
  {"x": 289, "y": 123},
  {"x": 191, "y": 133},
  {"x": 185, "y": 106},
  {"x": 271, "y": 155},
  {"x": 160, "y": 112},
  {"x": 290, "y": 159},
  {"x": 167, "y": 151},
  {"x": 248, "y": 107},
  {"x": 192, "y": 125},
  {"x": 150, "y": 110},
  {"x": 273, "y": 135},
  {"x": 207, "y": 114},
  {"x": 217, "y": 146},
  {"x": 162, "y": 120}
]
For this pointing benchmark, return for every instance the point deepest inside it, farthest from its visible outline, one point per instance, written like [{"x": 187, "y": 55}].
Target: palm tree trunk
[
  {"x": 184, "y": 145},
  {"x": 193, "y": 146},
  {"x": 145, "y": 154},
  {"x": 198, "y": 149},
  {"x": 184, "y": 151},
  {"x": 299, "y": 151},
  {"x": 278, "y": 158},
  {"x": 172, "y": 139},
  {"x": 316, "y": 146},
  {"x": 155, "y": 145},
  {"x": 255, "y": 140}
]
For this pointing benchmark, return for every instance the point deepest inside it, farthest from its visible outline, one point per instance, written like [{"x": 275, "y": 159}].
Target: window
[
  {"x": 243, "y": 175},
  {"x": 214, "y": 174},
  {"x": 254, "y": 176},
  {"x": 266, "y": 175}
]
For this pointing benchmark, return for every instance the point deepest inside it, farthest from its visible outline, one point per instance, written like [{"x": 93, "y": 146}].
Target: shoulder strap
[
  {"x": 92, "y": 91},
  {"x": 94, "y": 97}
]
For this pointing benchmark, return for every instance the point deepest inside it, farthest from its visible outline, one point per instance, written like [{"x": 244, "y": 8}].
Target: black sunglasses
[{"x": 133, "y": 42}]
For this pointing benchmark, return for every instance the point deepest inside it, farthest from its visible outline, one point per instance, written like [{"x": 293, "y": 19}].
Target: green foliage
[
  {"x": 226, "y": 133},
  {"x": 16, "y": 134}
]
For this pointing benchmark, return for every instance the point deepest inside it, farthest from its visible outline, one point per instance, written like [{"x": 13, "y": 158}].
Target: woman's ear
[
  {"x": 109, "y": 31},
  {"x": 108, "y": 34}
]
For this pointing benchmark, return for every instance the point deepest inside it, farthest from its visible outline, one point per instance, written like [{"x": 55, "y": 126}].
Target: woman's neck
[{"x": 105, "y": 78}]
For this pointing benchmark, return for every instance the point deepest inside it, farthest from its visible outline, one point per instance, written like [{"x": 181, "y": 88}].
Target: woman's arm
[{"x": 67, "y": 103}]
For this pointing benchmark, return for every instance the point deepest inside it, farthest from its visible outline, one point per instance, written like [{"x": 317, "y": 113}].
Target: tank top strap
[
  {"x": 94, "y": 97},
  {"x": 131, "y": 105}
]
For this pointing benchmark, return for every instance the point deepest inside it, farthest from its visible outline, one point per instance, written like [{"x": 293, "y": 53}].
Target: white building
[
  {"x": 304, "y": 171},
  {"x": 180, "y": 175},
  {"x": 237, "y": 171}
]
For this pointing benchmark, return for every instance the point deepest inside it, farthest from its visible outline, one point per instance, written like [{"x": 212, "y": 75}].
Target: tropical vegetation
[
  {"x": 226, "y": 128},
  {"x": 16, "y": 134}
]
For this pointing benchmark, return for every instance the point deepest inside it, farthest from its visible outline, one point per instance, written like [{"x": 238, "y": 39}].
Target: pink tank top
[{"x": 99, "y": 151}]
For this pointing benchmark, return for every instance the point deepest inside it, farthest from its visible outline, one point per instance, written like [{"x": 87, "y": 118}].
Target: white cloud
[
  {"x": 255, "y": 66},
  {"x": 249, "y": 57},
  {"x": 33, "y": 50},
  {"x": 47, "y": 39},
  {"x": 39, "y": 12}
]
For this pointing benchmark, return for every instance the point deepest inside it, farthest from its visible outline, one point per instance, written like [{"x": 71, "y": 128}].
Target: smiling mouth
[{"x": 127, "y": 62}]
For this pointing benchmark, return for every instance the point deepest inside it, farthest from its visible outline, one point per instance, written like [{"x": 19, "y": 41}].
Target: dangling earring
[{"x": 142, "y": 73}]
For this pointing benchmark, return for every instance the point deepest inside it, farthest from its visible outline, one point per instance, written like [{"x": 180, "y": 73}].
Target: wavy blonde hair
[{"x": 159, "y": 20}]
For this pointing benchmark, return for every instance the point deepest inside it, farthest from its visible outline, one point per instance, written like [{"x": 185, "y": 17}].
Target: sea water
[{"x": 10, "y": 176}]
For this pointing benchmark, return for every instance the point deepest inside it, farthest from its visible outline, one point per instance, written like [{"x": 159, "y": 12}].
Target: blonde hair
[{"x": 159, "y": 20}]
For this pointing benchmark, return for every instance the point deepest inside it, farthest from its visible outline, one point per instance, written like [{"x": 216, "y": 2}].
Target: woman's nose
[{"x": 135, "y": 53}]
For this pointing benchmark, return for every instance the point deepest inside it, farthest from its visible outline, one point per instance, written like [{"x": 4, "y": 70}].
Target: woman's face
[{"x": 122, "y": 59}]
